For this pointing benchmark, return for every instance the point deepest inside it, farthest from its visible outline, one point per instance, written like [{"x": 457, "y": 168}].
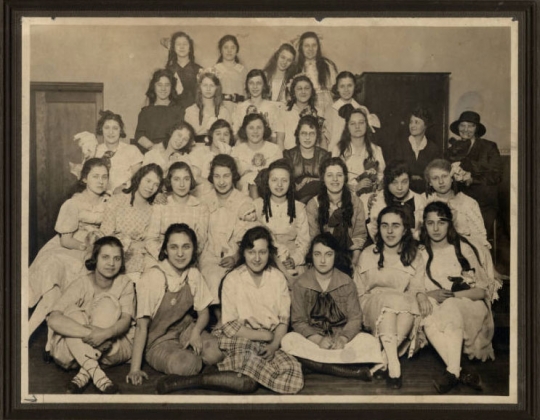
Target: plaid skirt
[{"x": 281, "y": 374}]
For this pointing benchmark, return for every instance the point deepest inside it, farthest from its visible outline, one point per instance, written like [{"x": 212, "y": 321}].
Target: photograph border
[{"x": 10, "y": 201}]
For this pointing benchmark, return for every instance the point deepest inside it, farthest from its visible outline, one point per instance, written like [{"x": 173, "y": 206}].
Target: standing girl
[
  {"x": 336, "y": 210},
  {"x": 231, "y": 73},
  {"x": 390, "y": 276},
  {"x": 208, "y": 106},
  {"x": 181, "y": 62},
  {"x": 181, "y": 207},
  {"x": 286, "y": 218},
  {"x": 345, "y": 89},
  {"x": 258, "y": 92},
  {"x": 254, "y": 151},
  {"x": 364, "y": 159},
  {"x": 127, "y": 216},
  {"x": 61, "y": 260},
  {"x": 279, "y": 70},
  {"x": 321, "y": 70},
  {"x": 161, "y": 114},
  {"x": 167, "y": 336}
]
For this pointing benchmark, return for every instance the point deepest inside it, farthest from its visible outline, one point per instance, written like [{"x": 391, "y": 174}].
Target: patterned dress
[
  {"x": 59, "y": 266},
  {"x": 129, "y": 224}
]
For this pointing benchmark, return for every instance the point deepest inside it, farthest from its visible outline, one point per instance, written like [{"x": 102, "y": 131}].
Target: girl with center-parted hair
[
  {"x": 305, "y": 158},
  {"x": 389, "y": 277},
  {"x": 255, "y": 307},
  {"x": 321, "y": 70},
  {"x": 326, "y": 317},
  {"x": 285, "y": 217},
  {"x": 301, "y": 103},
  {"x": 167, "y": 336},
  {"x": 231, "y": 72},
  {"x": 459, "y": 297},
  {"x": 345, "y": 90},
  {"x": 181, "y": 63},
  {"x": 258, "y": 91},
  {"x": 181, "y": 207},
  {"x": 127, "y": 216},
  {"x": 91, "y": 321},
  {"x": 61, "y": 260},
  {"x": 396, "y": 192},
  {"x": 418, "y": 150},
  {"x": 279, "y": 70},
  {"x": 122, "y": 159},
  {"x": 162, "y": 112},
  {"x": 336, "y": 210},
  {"x": 254, "y": 151},
  {"x": 208, "y": 106},
  {"x": 364, "y": 159}
]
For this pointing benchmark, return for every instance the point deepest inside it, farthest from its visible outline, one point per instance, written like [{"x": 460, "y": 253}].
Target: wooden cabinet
[{"x": 392, "y": 97}]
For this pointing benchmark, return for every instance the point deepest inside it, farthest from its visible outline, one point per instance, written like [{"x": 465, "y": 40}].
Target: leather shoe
[
  {"x": 471, "y": 379},
  {"x": 446, "y": 382},
  {"x": 393, "y": 383}
]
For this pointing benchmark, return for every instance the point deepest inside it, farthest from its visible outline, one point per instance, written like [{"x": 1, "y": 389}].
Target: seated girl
[
  {"x": 396, "y": 192},
  {"x": 364, "y": 159},
  {"x": 61, "y": 260},
  {"x": 258, "y": 92},
  {"x": 254, "y": 151},
  {"x": 459, "y": 296},
  {"x": 181, "y": 207},
  {"x": 92, "y": 319},
  {"x": 255, "y": 306},
  {"x": 167, "y": 335},
  {"x": 390, "y": 276},
  {"x": 127, "y": 216},
  {"x": 336, "y": 210},
  {"x": 326, "y": 317},
  {"x": 122, "y": 159},
  {"x": 306, "y": 158},
  {"x": 208, "y": 106},
  {"x": 286, "y": 218}
]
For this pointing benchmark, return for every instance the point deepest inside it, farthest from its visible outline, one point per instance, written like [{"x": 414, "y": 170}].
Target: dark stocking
[
  {"x": 216, "y": 381},
  {"x": 347, "y": 371}
]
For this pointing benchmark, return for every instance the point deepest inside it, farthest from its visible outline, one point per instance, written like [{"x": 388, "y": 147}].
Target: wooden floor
[{"x": 418, "y": 374}]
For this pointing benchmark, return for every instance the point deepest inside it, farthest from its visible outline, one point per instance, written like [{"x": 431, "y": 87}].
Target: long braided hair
[{"x": 267, "y": 206}]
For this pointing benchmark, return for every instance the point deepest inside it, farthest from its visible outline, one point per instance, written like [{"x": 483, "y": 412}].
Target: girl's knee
[
  {"x": 184, "y": 363},
  {"x": 105, "y": 312}
]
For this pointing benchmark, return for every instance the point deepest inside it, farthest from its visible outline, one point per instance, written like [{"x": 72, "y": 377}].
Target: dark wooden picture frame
[{"x": 11, "y": 155}]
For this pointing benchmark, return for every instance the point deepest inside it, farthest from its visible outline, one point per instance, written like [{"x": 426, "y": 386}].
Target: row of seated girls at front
[{"x": 291, "y": 285}]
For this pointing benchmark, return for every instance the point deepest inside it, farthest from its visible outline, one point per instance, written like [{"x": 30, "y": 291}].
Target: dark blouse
[
  {"x": 404, "y": 151},
  {"x": 305, "y": 167},
  {"x": 188, "y": 76},
  {"x": 155, "y": 122}
]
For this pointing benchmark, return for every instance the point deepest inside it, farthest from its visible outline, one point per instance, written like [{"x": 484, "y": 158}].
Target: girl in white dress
[
  {"x": 459, "y": 296},
  {"x": 279, "y": 70}
]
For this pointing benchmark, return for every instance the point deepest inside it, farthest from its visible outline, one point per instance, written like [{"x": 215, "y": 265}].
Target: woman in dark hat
[
  {"x": 476, "y": 164},
  {"x": 417, "y": 151}
]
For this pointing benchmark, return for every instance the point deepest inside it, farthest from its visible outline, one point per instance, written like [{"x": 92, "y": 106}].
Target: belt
[{"x": 233, "y": 97}]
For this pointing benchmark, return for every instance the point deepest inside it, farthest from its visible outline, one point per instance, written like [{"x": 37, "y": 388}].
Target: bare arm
[
  {"x": 68, "y": 241},
  {"x": 66, "y": 326},
  {"x": 135, "y": 374}
]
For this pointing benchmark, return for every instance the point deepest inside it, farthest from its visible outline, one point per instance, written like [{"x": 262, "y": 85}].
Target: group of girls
[{"x": 299, "y": 243}]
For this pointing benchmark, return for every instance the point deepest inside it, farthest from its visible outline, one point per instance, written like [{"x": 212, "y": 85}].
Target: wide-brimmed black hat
[{"x": 469, "y": 116}]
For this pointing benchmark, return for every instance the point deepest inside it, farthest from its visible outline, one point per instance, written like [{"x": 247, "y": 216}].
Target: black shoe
[
  {"x": 393, "y": 383},
  {"x": 364, "y": 374},
  {"x": 380, "y": 374},
  {"x": 111, "y": 388},
  {"x": 446, "y": 382},
  {"x": 75, "y": 388},
  {"x": 471, "y": 379}
]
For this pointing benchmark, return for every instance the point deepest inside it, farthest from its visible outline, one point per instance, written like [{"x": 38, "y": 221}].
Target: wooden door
[
  {"x": 393, "y": 96},
  {"x": 58, "y": 112}
]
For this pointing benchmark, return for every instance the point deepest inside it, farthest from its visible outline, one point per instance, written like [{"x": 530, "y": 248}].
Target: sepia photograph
[{"x": 231, "y": 210}]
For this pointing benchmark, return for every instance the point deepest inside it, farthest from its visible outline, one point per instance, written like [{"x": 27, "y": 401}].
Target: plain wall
[{"x": 124, "y": 57}]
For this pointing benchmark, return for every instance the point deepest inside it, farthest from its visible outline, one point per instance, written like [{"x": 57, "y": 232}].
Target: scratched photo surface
[{"x": 383, "y": 98}]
